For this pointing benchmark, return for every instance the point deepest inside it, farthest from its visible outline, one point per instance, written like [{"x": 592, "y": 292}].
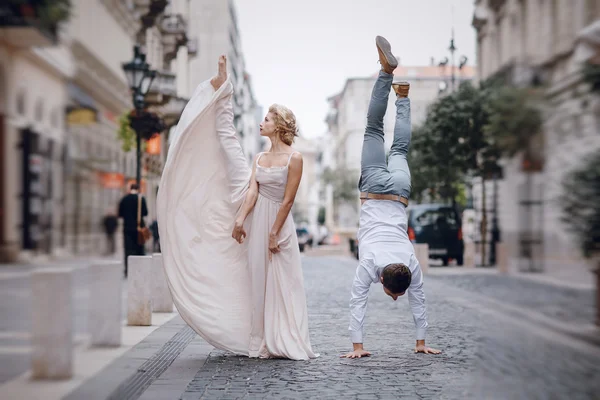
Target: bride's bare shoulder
[{"x": 296, "y": 159}]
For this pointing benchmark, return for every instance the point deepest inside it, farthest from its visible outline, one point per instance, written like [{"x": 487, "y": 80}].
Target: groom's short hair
[{"x": 396, "y": 278}]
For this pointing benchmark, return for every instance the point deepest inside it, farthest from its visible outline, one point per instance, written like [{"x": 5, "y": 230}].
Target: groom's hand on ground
[
  {"x": 421, "y": 348},
  {"x": 358, "y": 352}
]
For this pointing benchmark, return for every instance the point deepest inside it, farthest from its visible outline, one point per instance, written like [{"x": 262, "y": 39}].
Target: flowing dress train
[{"x": 230, "y": 294}]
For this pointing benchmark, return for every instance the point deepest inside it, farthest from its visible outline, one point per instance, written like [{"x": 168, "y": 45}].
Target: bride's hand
[
  {"x": 239, "y": 234},
  {"x": 273, "y": 246}
]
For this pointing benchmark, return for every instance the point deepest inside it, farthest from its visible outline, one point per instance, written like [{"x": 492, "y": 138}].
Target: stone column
[
  {"x": 9, "y": 250},
  {"x": 422, "y": 254},
  {"x": 502, "y": 257},
  {"x": 105, "y": 306},
  {"x": 139, "y": 291},
  {"x": 161, "y": 295},
  {"x": 469, "y": 256},
  {"x": 52, "y": 323}
]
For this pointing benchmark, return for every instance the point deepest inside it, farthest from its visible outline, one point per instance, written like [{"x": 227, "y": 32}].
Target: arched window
[
  {"x": 21, "y": 102},
  {"x": 39, "y": 111}
]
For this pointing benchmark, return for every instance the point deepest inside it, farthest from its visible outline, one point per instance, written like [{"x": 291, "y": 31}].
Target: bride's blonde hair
[{"x": 285, "y": 123}]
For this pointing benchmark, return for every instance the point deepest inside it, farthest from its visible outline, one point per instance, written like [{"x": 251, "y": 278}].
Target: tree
[
  {"x": 591, "y": 75},
  {"x": 465, "y": 134},
  {"x": 321, "y": 218},
  {"x": 345, "y": 185},
  {"x": 581, "y": 212}
]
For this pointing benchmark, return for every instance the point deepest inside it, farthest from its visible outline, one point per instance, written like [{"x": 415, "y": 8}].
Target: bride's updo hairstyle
[{"x": 285, "y": 123}]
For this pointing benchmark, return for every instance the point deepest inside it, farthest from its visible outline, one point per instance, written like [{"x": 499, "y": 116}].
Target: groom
[{"x": 386, "y": 253}]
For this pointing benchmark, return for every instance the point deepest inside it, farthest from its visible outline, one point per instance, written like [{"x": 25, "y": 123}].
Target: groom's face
[{"x": 392, "y": 295}]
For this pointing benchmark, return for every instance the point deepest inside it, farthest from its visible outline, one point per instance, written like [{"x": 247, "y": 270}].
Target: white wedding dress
[{"x": 231, "y": 294}]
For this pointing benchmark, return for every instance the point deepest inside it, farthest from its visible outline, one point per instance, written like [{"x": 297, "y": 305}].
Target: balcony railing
[
  {"x": 32, "y": 23},
  {"x": 173, "y": 24},
  {"x": 162, "y": 89},
  {"x": 174, "y": 35},
  {"x": 172, "y": 110}
]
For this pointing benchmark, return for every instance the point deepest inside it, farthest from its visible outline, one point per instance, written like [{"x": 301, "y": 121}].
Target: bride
[{"x": 244, "y": 295}]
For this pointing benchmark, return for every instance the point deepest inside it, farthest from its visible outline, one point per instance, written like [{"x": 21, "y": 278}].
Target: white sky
[{"x": 300, "y": 52}]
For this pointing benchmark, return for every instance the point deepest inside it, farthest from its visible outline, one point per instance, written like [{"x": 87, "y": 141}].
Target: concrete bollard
[
  {"x": 52, "y": 323},
  {"x": 161, "y": 295},
  {"x": 105, "y": 305},
  {"x": 139, "y": 291},
  {"x": 422, "y": 254},
  {"x": 469, "y": 255},
  {"x": 502, "y": 257}
]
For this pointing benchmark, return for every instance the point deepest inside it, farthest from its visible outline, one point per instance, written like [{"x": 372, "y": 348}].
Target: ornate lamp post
[
  {"x": 444, "y": 63},
  {"x": 139, "y": 77}
]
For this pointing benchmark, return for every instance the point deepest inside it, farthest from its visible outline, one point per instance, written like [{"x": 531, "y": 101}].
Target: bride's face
[{"x": 267, "y": 127}]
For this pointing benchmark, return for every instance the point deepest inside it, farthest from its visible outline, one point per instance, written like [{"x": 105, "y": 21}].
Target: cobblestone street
[
  {"x": 488, "y": 351},
  {"x": 483, "y": 356}
]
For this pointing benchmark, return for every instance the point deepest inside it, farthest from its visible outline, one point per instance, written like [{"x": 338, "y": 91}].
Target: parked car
[
  {"x": 439, "y": 226},
  {"x": 304, "y": 238}
]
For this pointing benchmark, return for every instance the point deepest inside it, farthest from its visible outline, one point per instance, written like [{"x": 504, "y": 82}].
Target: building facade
[
  {"x": 534, "y": 42},
  {"x": 62, "y": 94},
  {"x": 215, "y": 24},
  {"x": 33, "y": 97}
]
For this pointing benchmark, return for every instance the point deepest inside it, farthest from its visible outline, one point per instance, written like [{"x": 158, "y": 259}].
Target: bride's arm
[
  {"x": 293, "y": 181},
  {"x": 249, "y": 202}
]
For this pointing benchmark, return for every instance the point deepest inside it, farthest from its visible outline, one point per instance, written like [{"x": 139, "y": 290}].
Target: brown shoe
[
  {"x": 386, "y": 58},
  {"x": 401, "y": 88}
]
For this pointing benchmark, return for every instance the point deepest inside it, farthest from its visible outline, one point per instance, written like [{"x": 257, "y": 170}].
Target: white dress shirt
[{"x": 383, "y": 240}]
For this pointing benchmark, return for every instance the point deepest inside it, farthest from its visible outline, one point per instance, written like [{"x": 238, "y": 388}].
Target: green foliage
[
  {"x": 580, "y": 203},
  {"x": 48, "y": 13},
  {"x": 513, "y": 119},
  {"x": 53, "y": 12},
  {"x": 465, "y": 134},
  {"x": 345, "y": 186},
  {"x": 125, "y": 134},
  {"x": 322, "y": 216},
  {"x": 591, "y": 75}
]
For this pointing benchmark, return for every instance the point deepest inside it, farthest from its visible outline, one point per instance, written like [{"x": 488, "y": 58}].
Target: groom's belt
[{"x": 377, "y": 196}]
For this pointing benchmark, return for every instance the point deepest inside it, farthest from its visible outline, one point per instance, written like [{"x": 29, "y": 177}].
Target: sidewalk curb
[{"x": 108, "y": 380}]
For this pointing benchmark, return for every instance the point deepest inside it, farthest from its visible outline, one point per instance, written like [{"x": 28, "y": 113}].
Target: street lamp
[
  {"x": 140, "y": 78},
  {"x": 442, "y": 64}
]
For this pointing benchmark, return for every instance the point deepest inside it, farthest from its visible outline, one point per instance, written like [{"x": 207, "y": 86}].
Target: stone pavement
[
  {"x": 568, "y": 305},
  {"x": 488, "y": 352}
]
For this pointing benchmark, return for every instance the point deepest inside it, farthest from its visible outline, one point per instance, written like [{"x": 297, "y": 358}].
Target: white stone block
[
  {"x": 502, "y": 257},
  {"x": 52, "y": 323},
  {"x": 469, "y": 255},
  {"x": 161, "y": 295},
  {"x": 139, "y": 291},
  {"x": 105, "y": 304},
  {"x": 422, "y": 254}
]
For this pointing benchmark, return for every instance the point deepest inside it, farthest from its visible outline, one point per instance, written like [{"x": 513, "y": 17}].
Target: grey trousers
[{"x": 377, "y": 175}]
